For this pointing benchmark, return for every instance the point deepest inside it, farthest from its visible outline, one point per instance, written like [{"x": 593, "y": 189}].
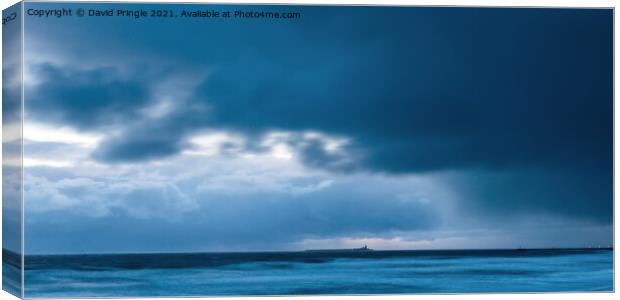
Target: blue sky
[{"x": 394, "y": 127}]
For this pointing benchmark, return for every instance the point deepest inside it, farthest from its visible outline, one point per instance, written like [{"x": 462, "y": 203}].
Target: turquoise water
[{"x": 294, "y": 273}]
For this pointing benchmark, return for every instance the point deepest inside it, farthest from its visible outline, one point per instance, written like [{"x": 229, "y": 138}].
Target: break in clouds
[{"x": 421, "y": 129}]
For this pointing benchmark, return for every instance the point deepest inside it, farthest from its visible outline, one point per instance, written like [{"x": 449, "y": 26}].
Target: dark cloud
[
  {"x": 489, "y": 89},
  {"x": 520, "y": 99},
  {"x": 86, "y": 98},
  {"x": 11, "y": 97},
  {"x": 455, "y": 88},
  {"x": 11, "y": 71},
  {"x": 536, "y": 193},
  {"x": 141, "y": 143}
]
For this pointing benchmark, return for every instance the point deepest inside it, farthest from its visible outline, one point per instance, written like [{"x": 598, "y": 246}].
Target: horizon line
[{"x": 344, "y": 250}]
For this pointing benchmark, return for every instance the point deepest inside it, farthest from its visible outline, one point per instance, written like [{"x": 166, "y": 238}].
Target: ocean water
[
  {"x": 311, "y": 273},
  {"x": 11, "y": 272}
]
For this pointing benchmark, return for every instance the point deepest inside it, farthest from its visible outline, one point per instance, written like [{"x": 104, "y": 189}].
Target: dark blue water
[
  {"x": 11, "y": 272},
  {"x": 294, "y": 273}
]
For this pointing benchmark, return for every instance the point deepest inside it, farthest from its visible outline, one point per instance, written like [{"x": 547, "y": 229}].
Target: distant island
[{"x": 362, "y": 249}]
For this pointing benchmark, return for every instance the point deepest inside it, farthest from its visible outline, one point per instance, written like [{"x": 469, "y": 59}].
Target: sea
[{"x": 319, "y": 273}]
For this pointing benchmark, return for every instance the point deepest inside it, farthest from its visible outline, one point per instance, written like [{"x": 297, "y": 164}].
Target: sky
[
  {"x": 392, "y": 127},
  {"x": 11, "y": 131}
]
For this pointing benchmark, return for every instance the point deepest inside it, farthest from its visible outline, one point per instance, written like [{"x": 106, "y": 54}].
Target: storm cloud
[
  {"x": 489, "y": 89},
  {"x": 510, "y": 109}
]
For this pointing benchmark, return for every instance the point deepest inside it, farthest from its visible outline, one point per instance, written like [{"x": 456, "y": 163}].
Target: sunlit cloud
[
  {"x": 41, "y": 132},
  {"x": 33, "y": 162}
]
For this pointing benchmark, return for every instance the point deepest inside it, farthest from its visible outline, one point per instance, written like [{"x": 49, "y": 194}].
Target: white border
[{"x": 505, "y": 3}]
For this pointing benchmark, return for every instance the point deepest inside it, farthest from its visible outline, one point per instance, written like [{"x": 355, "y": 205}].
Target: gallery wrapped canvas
[{"x": 242, "y": 150}]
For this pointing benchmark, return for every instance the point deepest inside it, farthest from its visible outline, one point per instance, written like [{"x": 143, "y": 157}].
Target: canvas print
[{"x": 245, "y": 150}]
